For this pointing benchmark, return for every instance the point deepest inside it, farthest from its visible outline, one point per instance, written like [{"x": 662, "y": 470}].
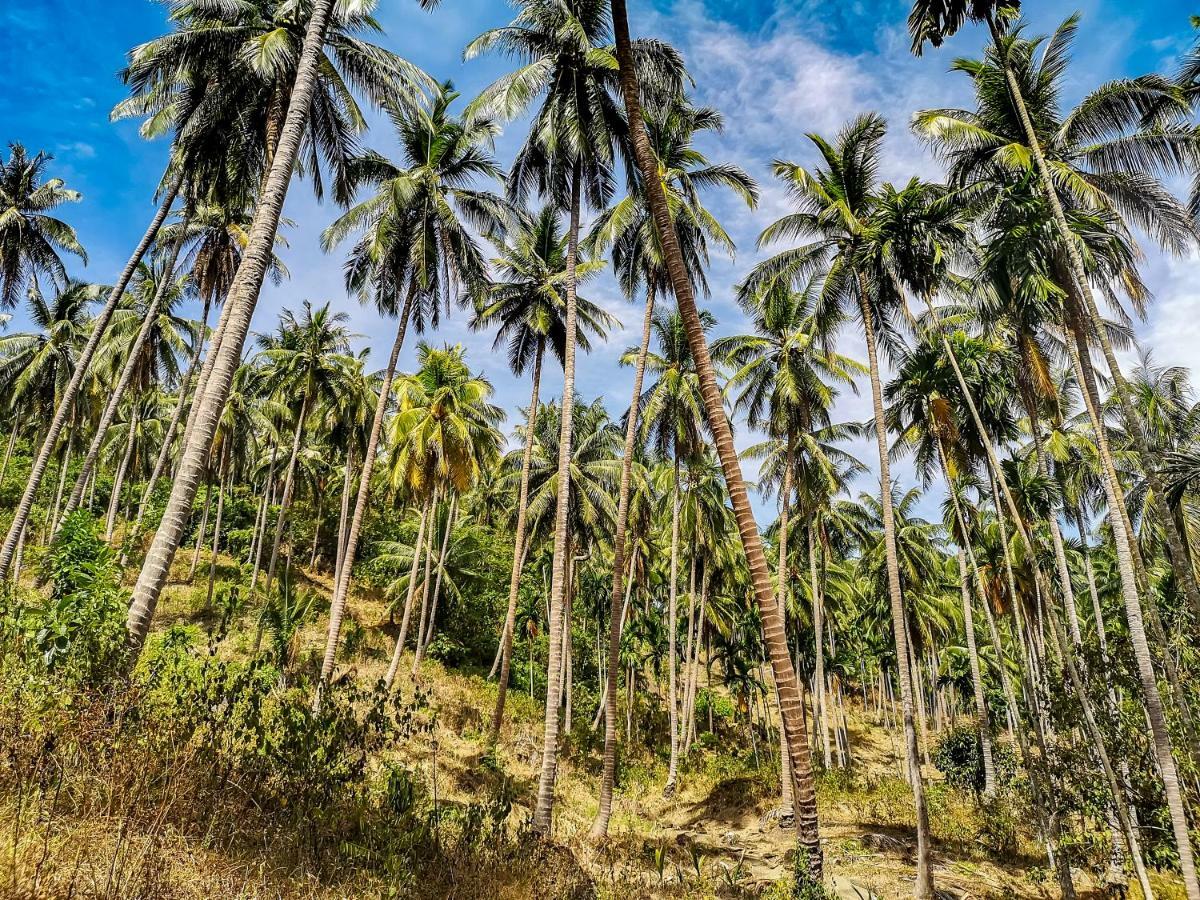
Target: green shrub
[{"x": 959, "y": 757}]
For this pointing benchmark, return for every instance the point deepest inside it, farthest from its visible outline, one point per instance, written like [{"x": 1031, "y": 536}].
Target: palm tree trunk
[
  {"x": 808, "y": 834},
  {"x": 343, "y": 516},
  {"x": 289, "y": 485},
  {"x": 599, "y": 828},
  {"x": 430, "y": 532},
  {"x": 66, "y": 401},
  {"x": 514, "y": 577},
  {"x": 260, "y": 524},
  {"x": 222, "y": 489},
  {"x": 923, "y": 888},
  {"x": 437, "y": 581},
  {"x": 114, "y": 501},
  {"x": 981, "y": 711},
  {"x": 202, "y": 530},
  {"x": 787, "y": 810},
  {"x": 8, "y": 452},
  {"x": 243, "y": 298},
  {"x": 418, "y": 546},
  {"x": 62, "y": 478},
  {"x": 820, "y": 702},
  {"x": 127, "y": 371},
  {"x": 672, "y": 632},
  {"x": 543, "y": 811},
  {"x": 316, "y": 541},
  {"x": 337, "y": 609}
]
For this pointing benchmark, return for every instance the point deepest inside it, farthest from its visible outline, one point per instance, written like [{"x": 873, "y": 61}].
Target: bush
[
  {"x": 79, "y": 630},
  {"x": 959, "y": 757}
]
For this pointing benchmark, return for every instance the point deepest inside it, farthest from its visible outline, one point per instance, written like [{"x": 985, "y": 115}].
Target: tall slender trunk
[
  {"x": 114, "y": 501},
  {"x": 981, "y": 711},
  {"x": 808, "y": 831},
  {"x": 430, "y": 531},
  {"x": 337, "y": 609},
  {"x": 222, "y": 489},
  {"x": 317, "y": 523},
  {"x": 437, "y": 582},
  {"x": 820, "y": 703},
  {"x": 289, "y": 485},
  {"x": 164, "y": 451},
  {"x": 127, "y": 371},
  {"x": 514, "y": 577},
  {"x": 343, "y": 516},
  {"x": 923, "y": 888},
  {"x": 787, "y": 792},
  {"x": 543, "y": 810},
  {"x": 672, "y": 633},
  {"x": 243, "y": 297},
  {"x": 8, "y": 452},
  {"x": 66, "y": 401},
  {"x": 202, "y": 530},
  {"x": 63, "y": 468},
  {"x": 807, "y": 828},
  {"x": 418, "y": 546},
  {"x": 599, "y": 828},
  {"x": 260, "y": 524}
]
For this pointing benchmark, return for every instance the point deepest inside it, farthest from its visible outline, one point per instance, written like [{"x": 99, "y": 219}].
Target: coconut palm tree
[
  {"x": 568, "y": 68},
  {"x": 443, "y": 435},
  {"x": 834, "y": 205},
  {"x": 307, "y": 360},
  {"x": 630, "y": 76},
  {"x": 222, "y": 364},
  {"x": 32, "y": 240},
  {"x": 415, "y": 254},
  {"x": 526, "y": 305}
]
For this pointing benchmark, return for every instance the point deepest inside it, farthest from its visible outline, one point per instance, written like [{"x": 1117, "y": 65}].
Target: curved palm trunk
[
  {"x": 126, "y": 377},
  {"x": 418, "y": 545},
  {"x": 289, "y": 485},
  {"x": 66, "y": 402},
  {"x": 514, "y": 578},
  {"x": 808, "y": 835},
  {"x": 923, "y": 888},
  {"x": 543, "y": 812},
  {"x": 672, "y": 633},
  {"x": 337, "y": 609},
  {"x": 616, "y": 607},
  {"x": 243, "y": 298}
]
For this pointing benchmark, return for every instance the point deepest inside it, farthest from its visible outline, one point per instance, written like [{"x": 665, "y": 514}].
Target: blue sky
[{"x": 776, "y": 68}]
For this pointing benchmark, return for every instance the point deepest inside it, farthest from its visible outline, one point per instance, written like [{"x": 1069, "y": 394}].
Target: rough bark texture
[
  {"x": 781, "y": 665},
  {"x": 66, "y": 402},
  {"x": 243, "y": 298}
]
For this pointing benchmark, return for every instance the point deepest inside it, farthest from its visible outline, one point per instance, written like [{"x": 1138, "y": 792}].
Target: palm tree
[
  {"x": 415, "y": 253},
  {"x": 637, "y": 257},
  {"x": 243, "y": 296},
  {"x": 1108, "y": 156},
  {"x": 443, "y": 435},
  {"x": 527, "y": 305},
  {"x": 31, "y": 239},
  {"x": 569, "y": 152},
  {"x": 773, "y": 625},
  {"x": 835, "y": 205},
  {"x": 307, "y": 361}
]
